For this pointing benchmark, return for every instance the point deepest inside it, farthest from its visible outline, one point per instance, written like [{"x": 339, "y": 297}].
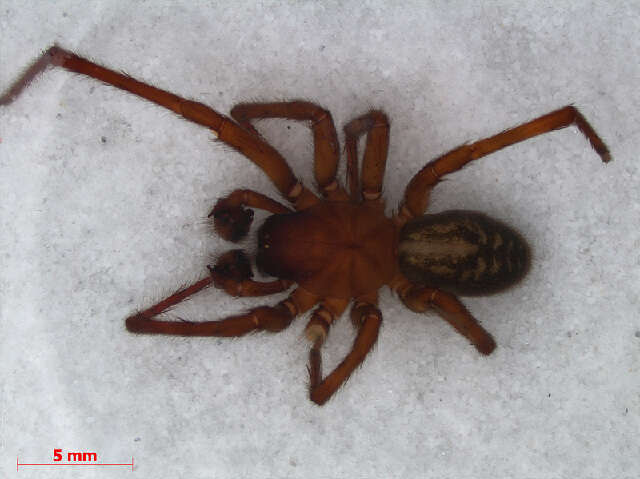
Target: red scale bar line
[{"x": 18, "y": 463}]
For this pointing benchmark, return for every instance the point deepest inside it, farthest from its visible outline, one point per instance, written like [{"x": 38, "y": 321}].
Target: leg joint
[
  {"x": 318, "y": 116},
  {"x": 290, "y": 305},
  {"x": 295, "y": 191},
  {"x": 371, "y": 195},
  {"x": 363, "y": 311},
  {"x": 318, "y": 326},
  {"x": 332, "y": 186}
]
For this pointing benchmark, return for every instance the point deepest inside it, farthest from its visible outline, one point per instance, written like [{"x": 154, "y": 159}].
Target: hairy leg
[
  {"x": 249, "y": 144},
  {"x": 421, "y": 298},
  {"x": 417, "y": 192},
  {"x": 173, "y": 299},
  {"x": 264, "y": 318},
  {"x": 367, "y": 318},
  {"x": 325, "y": 140},
  {"x": 376, "y": 125},
  {"x": 323, "y": 317}
]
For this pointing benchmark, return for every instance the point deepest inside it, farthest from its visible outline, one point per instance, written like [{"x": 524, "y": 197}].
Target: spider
[{"x": 338, "y": 247}]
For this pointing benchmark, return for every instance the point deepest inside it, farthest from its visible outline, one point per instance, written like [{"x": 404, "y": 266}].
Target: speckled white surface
[{"x": 104, "y": 199}]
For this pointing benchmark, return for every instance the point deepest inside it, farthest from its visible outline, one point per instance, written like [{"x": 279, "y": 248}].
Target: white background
[{"x": 103, "y": 205}]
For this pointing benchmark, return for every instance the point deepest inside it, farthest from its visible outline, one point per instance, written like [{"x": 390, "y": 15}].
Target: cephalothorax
[{"x": 339, "y": 248}]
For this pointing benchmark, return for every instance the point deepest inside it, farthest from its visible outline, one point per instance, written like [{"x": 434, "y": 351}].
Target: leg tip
[
  {"x": 486, "y": 345},
  {"x": 138, "y": 324},
  {"x": 318, "y": 397},
  {"x": 605, "y": 155},
  {"x": 133, "y": 323}
]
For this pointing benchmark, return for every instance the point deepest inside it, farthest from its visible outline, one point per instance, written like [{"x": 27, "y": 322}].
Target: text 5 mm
[{"x": 75, "y": 456}]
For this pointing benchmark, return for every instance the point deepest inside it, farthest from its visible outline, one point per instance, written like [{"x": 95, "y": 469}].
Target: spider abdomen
[
  {"x": 338, "y": 250},
  {"x": 463, "y": 252}
]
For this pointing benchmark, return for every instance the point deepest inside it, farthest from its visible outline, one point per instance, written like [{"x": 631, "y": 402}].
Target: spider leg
[
  {"x": 318, "y": 326},
  {"x": 376, "y": 125},
  {"x": 325, "y": 139},
  {"x": 232, "y": 273},
  {"x": 174, "y": 299},
  {"x": 420, "y": 298},
  {"x": 246, "y": 142},
  {"x": 267, "y": 318},
  {"x": 418, "y": 189},
  {"x": 232, "y": 221},
  {"x": 367, "y": 318}
]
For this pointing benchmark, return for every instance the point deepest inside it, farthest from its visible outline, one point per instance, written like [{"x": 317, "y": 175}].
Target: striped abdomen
[{"x": 463, "y": 252}]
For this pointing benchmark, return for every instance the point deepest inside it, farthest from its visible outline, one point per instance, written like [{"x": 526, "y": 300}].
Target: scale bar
[{"x": 18, "y": 463}]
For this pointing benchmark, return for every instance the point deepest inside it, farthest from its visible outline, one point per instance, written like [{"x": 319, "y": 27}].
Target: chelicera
[{"x": 338, "y": 248}]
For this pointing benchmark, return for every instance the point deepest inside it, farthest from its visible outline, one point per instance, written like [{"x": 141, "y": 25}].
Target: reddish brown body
[
  {"x": 333, "y": 250},
  {"x": 338, "y": 247}
]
